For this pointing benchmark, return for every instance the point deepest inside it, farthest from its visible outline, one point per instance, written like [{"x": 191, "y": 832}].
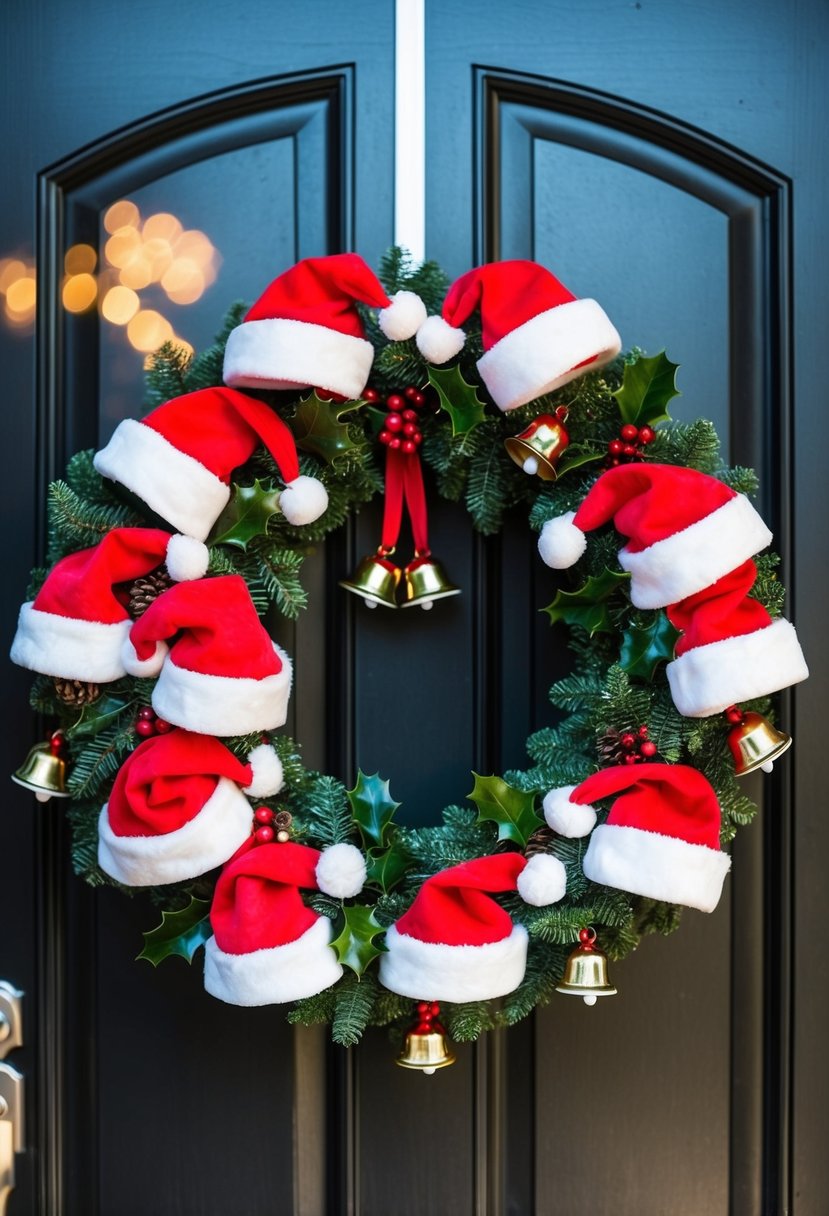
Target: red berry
[
  {"x": 395, "y": 402},
  {"x": 393, "y": 422},
  {"x": 615, "y": 447},
  {"x": 409, "y": 416},
  {"x": 615, "y": 461},
  {"x": 628, "y": 450},
  {"x": 419, "y": 400},
  {"x": 144, "y": 728},
  {"x": 648, "y": 749},
  {"x": 395, "y": 442},
  {"x": 734, "y": 715},
  {"x": 629, "y": 432},
  {"x": 370, "y": 394},
  {"x": 263, "y": 814},
  {"x": 630, "y": 758},
  {"x": 587, "y": 936},
  {"x": 627, "y": 741},
  {"x": 434, "y": 1009},
  {"x": 408, "y": 446},
  {"x": 643, "y": 731},
  {"x": 417, "y": 438},
  {"x": 163, "y": 727},
  {"x": 385, "y": 437},
  {"x": 646, "y": 434},
  {"x": 422, "y": 1008},
  {"x": 264, "y": 835},
  {"x": 146, "y": 713},
  {"x": 409, "y": 429},
  {"x": 410, "y": 392}
]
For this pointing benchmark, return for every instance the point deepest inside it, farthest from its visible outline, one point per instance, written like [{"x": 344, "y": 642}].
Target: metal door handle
[{"x": 11, "y": 1089}]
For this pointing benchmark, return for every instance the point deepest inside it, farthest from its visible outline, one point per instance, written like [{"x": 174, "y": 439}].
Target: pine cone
[
  {"x": 145, "y": 590},
  {"x": 76, "y": 692},
  {"x": 539, "y": 841}
]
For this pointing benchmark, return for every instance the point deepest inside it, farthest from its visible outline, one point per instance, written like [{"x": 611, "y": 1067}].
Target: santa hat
[
  {"x": 685, "y": 529},
  {"x": 179, "y": 459},
  {"x": 730, "y": 649},
  {"x": 537, "y": 336},
  {"x": 268, "y": 946},
  {"x": 222, "y": 674},
  {"x": 305, "y": 329},
  {"x": 661, "y": 838},
  {"x": 178, "y": 808},
  {"x": 77, "y": 623},
  {"x": 455, "y": 943}
]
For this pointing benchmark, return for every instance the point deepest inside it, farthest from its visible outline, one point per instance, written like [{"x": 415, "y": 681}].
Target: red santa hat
[
  {"x": 305, "y": 329},
  {"x": 268, "y": 946},
  {"x": 178, "y": 808},
  {"x": 78, "y": 622},
  {"x": 455, "y": 943},
  {"x": 222, "y": 674},
  {"x": 179, "y": 459},
  {"x": 730, "y": 649},
  {"x": 537, "y": 336},
  {"x": 685, "y": 529},
  {"x": 661, "y": 838}
]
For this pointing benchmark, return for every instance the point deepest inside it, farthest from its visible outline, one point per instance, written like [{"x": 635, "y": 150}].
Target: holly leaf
[
  {"x": 648, "y": 384},
  {"x": 588, "y": 607},
  {"x": 179, "y": 933},
  {"x": 355, "y": 946},
  {"x": 459, "y": 399},
  {"x": 513, "y": 810},
  {"x": 96, "y": 717},
  {"x": 317, "y": 427},
  {"x": 386, "y": 867},
  {"x": 645, "y": 647},
  {"x": 372, "y": 807},
  {"x": 246, "y": 515},
  {"x": 575, "y": 456}
]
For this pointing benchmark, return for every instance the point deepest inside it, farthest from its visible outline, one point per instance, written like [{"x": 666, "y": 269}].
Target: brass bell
[
  {"x": 539, "y": 448},
  {"x": 755, "y": 743},
  {"x": 586, "y": 972},
  {"x": 44, "y": 770},
  {"x": 425, "y": 1046},
  {"x": 425, "y": 581},
  {"x": 376, "y": 580}
]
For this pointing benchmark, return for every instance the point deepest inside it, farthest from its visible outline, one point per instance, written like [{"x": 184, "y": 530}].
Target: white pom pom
[
  {"x": 561, "y": 543},
  {"x": 566, "y": 817},
  {"x": 438, "y": 341},
  {"x": 403, "y": 317},
  {"x": 143, "y": 667},
  {"x": 187, "y": 558},
  {"x": 268, "y": 777},
  {"x": 542, "y": 881},
  {"x": 303, "y": 500},
  {"x": 341, "y": 871}
]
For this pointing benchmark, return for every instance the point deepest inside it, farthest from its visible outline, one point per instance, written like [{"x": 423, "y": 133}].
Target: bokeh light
[
  {"x": 80, "y": 259},
  {"x": 123, "y": 214},
  {"x": 80, "y": 291},
  {"x": 119, "y": 305},
  {"x": 19, "y": 291},
  {"x": 148, "y": 330}
]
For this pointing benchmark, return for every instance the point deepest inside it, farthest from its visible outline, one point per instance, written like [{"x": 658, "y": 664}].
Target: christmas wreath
[{"x": 168, "y": 546}]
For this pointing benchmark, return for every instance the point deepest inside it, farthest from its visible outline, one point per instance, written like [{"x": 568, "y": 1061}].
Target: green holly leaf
[
  {"x": 179, "y": 933},
  {"x": 644, "y": 648},
  {"x": 246, "y": 515},
  {"x": 647, "y": 386},
  {"x": 317, "y": 427},
  {"x": 513, "y": 810},
  {"x": 588, "y": 607},
  {"x": 355, "y": 946},
  {"x": 386, "y": 867},
  {"x": 459, "y": 399},
  {"x": 96, "y": 717},
  {"x": 372, "y": 807},
  {"x": 575, "y": 456}
]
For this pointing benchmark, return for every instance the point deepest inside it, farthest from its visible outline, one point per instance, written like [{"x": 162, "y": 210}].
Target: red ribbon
[{"x": 404, "y": 483}]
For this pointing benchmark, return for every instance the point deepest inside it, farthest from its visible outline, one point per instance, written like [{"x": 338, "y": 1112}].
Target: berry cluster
[
  {"x": 637, "y": 747},
  {"x": 268, "y": 824},
  {"x": 148, "y": 724},
  {"x": 630, "y": 445},
  {"x": 401, "y": 429}
]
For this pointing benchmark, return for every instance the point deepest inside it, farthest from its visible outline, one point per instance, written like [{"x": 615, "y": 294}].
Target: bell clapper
[{"x": 530, "y": 466}]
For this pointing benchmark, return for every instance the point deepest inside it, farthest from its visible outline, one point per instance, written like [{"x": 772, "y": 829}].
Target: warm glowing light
[
  {"x": 194, "y": 244},
  {"x": 148, "y": 330},
  {"x": 184, "y": 282},
  {"x": 80, "y": 292},
  {"x": 21, "y": 296},
  {"x": 123, "y": 246},
  {"x": 137, "y": 272},
  {"x": 10, "y": 270},
  {"x": 122, "y": 214},
  {"x": 158, "y": 254},
  {"x": 161, "y": 226},
  {"x": 119, "y": 305},
  {"x": 80, "y": 259}
]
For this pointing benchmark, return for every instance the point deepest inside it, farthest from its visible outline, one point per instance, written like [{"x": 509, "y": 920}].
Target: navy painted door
[{"x": 667, "y": 160}]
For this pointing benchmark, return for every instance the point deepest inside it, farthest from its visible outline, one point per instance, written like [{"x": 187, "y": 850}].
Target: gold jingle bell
[
  {"x": 538, "y": 449},
  {"x": 44, "y": 769},
  {"x": 425, "y": 1046},
  {"x": 425, "y": 581},
  {"x": 376, "y": 579},
  {"x": 754, "y": 742},
  {"x": 586, "y": 972}
]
